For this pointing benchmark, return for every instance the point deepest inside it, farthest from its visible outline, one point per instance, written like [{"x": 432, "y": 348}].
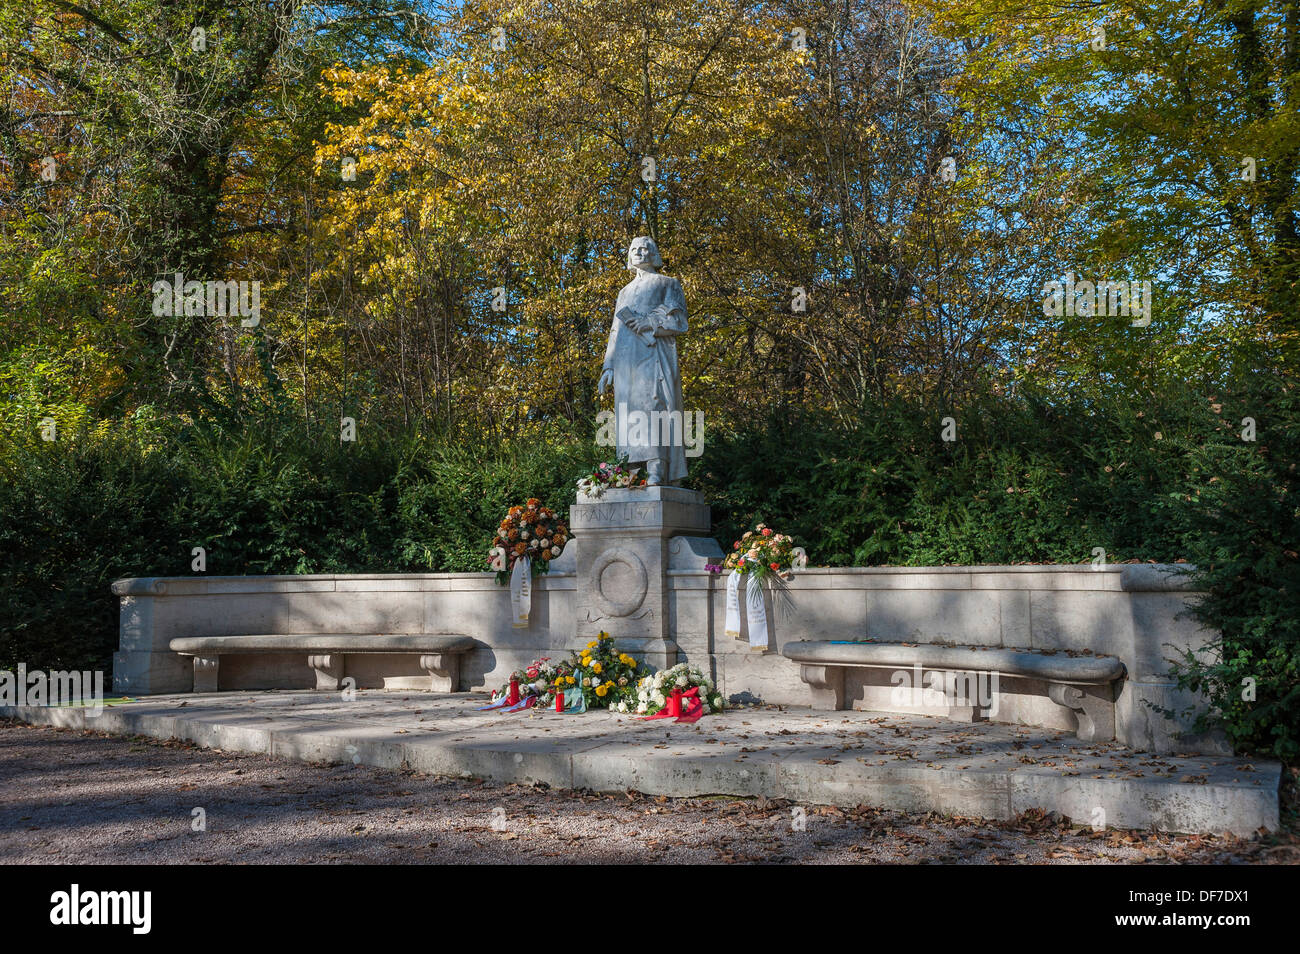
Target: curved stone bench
[
  {"x": 439, "y": 653},
  {"x": 1082, "y": 684}
]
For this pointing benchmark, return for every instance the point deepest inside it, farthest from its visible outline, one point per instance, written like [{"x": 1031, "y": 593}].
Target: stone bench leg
[
  {"x": 443, "y": 670},
  {"x": 1092, "y": 706},
  {"x": 205, "y": 673},
  {"x": 329, "y": 670},
  {"x": 962, "y": 692},
  {"x": 826, "y": 685}
]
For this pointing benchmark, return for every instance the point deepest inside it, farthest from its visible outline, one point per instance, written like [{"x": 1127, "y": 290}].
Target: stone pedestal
[{"x": 625, "y": 541}]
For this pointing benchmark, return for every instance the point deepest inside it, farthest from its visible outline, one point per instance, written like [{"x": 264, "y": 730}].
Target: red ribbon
[{"x": 691, "y": 707}]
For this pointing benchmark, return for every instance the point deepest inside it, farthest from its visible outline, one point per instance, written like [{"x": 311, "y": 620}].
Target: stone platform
[{"x": 900, "y": 762}]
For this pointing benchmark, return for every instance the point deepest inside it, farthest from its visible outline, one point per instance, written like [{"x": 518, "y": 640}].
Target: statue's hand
[
  {"x": 606, "y": 380},
  {"x": 659, "y": 321}
]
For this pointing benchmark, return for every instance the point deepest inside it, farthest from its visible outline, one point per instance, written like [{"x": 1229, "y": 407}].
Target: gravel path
[{"x": 88, "y": 797}]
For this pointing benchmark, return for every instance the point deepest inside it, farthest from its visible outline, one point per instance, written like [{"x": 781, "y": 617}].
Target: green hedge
[
  {"x": 1023, "y": 482},
  {"x": 78, "y": 513},
  {"x": 1244, "y": 513}
]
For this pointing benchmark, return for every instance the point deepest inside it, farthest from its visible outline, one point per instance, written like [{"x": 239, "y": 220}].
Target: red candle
[
  {"x": 675, "y": 702},
  {"x": 559, "y": 700},
  {"x": 514, "y": 691}
]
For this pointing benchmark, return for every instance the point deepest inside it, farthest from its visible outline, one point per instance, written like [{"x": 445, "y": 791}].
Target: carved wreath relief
[{"x": 619, "y": 582}]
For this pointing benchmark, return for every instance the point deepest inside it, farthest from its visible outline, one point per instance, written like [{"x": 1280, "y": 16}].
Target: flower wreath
[{"x": 529, "y": 531}]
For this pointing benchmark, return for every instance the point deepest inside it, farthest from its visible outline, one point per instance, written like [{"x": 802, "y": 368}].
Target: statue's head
[{"x": 643, "y": 253}]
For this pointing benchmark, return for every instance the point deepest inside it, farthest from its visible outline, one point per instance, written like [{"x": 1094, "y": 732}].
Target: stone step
[{"x": 904, "y": 763}]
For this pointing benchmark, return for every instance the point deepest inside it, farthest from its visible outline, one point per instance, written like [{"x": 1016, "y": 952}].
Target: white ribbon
[
  {"x": 733, "y": 606},
  {"x": 521, "y": 592},
  {"x": 755, "y": 611}
]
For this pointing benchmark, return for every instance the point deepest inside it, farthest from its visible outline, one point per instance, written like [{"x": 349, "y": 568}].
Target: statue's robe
[{"x": 646, "y": 377}]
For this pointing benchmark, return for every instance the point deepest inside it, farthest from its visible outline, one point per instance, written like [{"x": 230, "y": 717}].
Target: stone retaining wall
[{"x": 1130, "y": 611}]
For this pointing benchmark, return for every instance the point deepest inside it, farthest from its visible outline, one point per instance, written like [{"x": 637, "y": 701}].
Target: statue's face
[{"x": 643, "y": 253}]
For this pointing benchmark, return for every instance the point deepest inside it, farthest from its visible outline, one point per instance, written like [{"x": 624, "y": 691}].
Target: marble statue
[{"x": 641, "y": 364}]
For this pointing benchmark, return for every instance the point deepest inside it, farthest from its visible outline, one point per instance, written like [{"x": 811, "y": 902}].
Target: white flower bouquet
[
  {"x": 605, "y": 474},
  {"x": 652, "y": 692}
]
